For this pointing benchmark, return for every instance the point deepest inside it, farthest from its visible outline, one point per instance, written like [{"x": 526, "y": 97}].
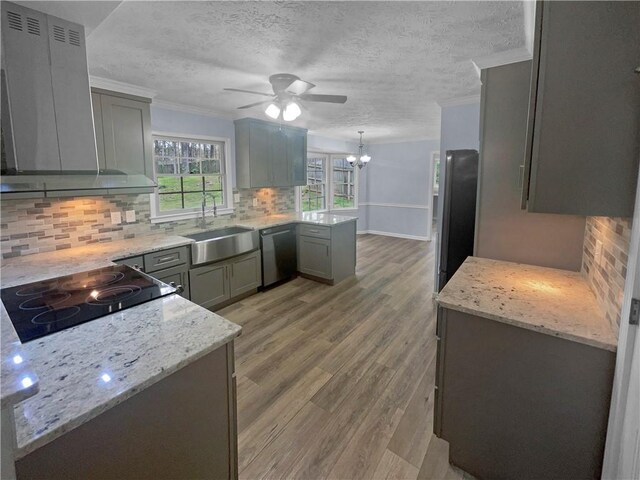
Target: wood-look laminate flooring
[{"x": 337, "y": 381}]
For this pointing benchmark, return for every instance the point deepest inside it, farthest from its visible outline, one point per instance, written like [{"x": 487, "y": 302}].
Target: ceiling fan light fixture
[
  {"x": 273, "y": 111},
  {"x": 351, "y": 159},
  {"x": 365, "y": 158},
  {"x": 291, "y": 112}
]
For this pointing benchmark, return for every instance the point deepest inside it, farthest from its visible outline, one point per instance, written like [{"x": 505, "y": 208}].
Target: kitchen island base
[
  {"x": 516, "y": 403},
  {"x": 184, "y": 426}
]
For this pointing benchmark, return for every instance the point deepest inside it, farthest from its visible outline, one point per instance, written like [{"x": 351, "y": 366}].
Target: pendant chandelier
[{"x": 362, "y": 159}]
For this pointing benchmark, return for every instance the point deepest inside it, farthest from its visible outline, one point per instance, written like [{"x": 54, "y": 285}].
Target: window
[
  {"x": 331, "y": 183},
  {"x": 314, "y": 193},
  {"x": 187, "y": 169}
]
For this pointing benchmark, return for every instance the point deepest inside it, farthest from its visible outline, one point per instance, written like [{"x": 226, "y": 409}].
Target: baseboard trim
[{"x": 397, "y": 235}]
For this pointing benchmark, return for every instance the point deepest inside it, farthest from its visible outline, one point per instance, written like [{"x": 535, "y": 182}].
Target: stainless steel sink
[{"x": 222, "y": 243}]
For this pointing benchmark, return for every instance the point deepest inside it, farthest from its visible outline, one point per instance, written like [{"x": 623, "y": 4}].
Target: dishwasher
[{"x": 278, "y": 253}]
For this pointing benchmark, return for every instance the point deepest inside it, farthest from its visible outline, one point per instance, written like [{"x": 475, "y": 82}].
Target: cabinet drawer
[
  {"x": 165, "y": 259},
  {"x": 315, "y": 231}
]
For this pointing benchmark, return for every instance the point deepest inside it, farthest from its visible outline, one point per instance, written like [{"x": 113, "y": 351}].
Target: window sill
[{"x": 174, "y": 217}]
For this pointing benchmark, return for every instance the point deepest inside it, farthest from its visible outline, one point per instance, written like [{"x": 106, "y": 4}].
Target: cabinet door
[
  {"x": 584, "y": 126},
  {"x": 260, "y": 155},
  {"x": 314, "y": 256},
  {"x": 246, "y": 273},
  {"x": 127, "y": 135},
  {"x": 209, "y": 285},
  {"x": 297, "y": 157},
  {"x": 178, "y": 275},
  {"x": 281, "y": 173}
]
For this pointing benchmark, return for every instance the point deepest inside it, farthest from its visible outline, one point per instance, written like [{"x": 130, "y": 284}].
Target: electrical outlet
[
  {"x": 598, "y": 253},
  {"x": 116, "y": 218},
  {"x": 130, "y": 216},
  {"x": 236, "y": 198},
  {"x": 255, "y": 202}
]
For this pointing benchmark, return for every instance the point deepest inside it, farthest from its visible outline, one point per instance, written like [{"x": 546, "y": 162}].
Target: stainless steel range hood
[{"x": 49, "y": 144}]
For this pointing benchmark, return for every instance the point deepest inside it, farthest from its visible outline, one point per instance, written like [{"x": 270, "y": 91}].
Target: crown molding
[
  {"x": 502, "y": 58},
  {"x": 454, "y": 102},
  {"x": 122, "y": 87}
]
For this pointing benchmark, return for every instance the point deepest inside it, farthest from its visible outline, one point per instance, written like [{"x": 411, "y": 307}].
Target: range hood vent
[{"x": 48, "y": 139}]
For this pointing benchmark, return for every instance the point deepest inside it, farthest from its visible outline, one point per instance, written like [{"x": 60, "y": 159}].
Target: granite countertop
[
  {"x": 80, "y": 372},
  {"x": 312, "y": 218},
  {"x": 546, "y": 300},
  {"x": 18, "y": 380}
]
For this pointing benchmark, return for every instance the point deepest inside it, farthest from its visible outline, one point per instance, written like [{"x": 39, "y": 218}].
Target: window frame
[
  {"x": 329, "y": 182},
  {"x": 227, "y": 185}
]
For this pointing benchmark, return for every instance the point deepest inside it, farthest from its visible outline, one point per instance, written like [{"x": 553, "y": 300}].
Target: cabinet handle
[
  {"x": 327, "y": 247},
  {"x": 314, "y": 231},
  {"x": 165, "y": 259},
  {"x": 232, "y": 269}
]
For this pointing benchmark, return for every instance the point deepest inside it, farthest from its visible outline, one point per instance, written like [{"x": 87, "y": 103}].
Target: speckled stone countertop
[
  {"x": 546, "y": 300},
  {"x": 312, "y": 218},
  {"x": 18, "y": 381},
  {"x": 85, "y": 370}
]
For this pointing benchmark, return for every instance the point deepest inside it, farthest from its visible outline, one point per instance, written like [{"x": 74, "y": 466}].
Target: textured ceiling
[{"x": 392, "y": 59}]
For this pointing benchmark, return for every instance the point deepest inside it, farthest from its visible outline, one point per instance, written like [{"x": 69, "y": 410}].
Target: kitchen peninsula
[{"x": 525, "y": 371}]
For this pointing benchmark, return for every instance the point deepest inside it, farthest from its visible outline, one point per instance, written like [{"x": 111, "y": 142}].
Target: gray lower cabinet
[
  {"x": 583, "y": 140},
  {"x": 515, "y": 403},
  {"x": 210, "y": 284},
  {"x": 184, "y": 426},
  {"x": 215, "y": 284},
  {"x": 315, "y": 256},
  {"x": 170, "y": 265},
  {"x": 123, "y": 132},
  {"x": 327, "y": 252}
]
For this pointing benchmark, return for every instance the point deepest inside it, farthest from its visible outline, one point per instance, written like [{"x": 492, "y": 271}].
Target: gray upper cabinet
[
  {"x": 123, "y": 132},
  {"x": 584, "y": 115},
  {"x": 269, "y": 154}
]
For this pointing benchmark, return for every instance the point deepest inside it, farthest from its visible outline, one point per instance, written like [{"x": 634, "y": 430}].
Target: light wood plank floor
[{"x": 337, "y": 381}]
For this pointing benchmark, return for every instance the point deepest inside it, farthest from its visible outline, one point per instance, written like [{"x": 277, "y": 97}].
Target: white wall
[{"x": 397, "y": 189}]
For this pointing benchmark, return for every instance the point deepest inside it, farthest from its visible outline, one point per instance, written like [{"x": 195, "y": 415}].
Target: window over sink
[{"x": 186, "y": 169}]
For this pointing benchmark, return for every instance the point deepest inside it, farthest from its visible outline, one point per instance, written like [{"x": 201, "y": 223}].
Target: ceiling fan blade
[
  {"x": 249, "y": 91},
  {"x": 310, "y": 97},
  {"x": 254, "y": 104},
  {"x": 298, "y": 87}
]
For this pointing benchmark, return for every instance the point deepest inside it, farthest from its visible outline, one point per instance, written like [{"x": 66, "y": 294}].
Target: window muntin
[{"x": 186, "y": 169}]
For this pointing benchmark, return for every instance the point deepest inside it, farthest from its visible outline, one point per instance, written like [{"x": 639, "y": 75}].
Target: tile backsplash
[
  {"x": 43, "y": 225},
  {"x": 607, "y": 278}
]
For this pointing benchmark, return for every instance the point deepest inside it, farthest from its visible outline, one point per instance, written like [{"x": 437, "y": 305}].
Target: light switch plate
[
  {"x": 255, "y": 202},
  {"x": 130, "y": 216},
  {"x": 236, "y": 198},
  {"x": 116, "y": 218}
]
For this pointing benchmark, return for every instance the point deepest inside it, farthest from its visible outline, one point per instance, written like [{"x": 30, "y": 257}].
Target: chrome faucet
[{"x": 203, "y": 221}]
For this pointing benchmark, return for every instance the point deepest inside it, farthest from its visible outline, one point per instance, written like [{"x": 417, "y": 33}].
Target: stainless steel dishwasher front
[{"x": 278, "y": 253}]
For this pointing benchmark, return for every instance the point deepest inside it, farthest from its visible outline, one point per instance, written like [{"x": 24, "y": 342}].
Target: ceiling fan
[{"x": 288, "y": 92}]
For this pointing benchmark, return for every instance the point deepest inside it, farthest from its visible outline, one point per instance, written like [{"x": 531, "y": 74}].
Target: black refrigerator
[{"x": 458, "y": 212}]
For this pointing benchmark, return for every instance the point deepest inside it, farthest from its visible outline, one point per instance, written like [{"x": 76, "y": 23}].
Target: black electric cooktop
[{"x": 41, "y": 308}]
